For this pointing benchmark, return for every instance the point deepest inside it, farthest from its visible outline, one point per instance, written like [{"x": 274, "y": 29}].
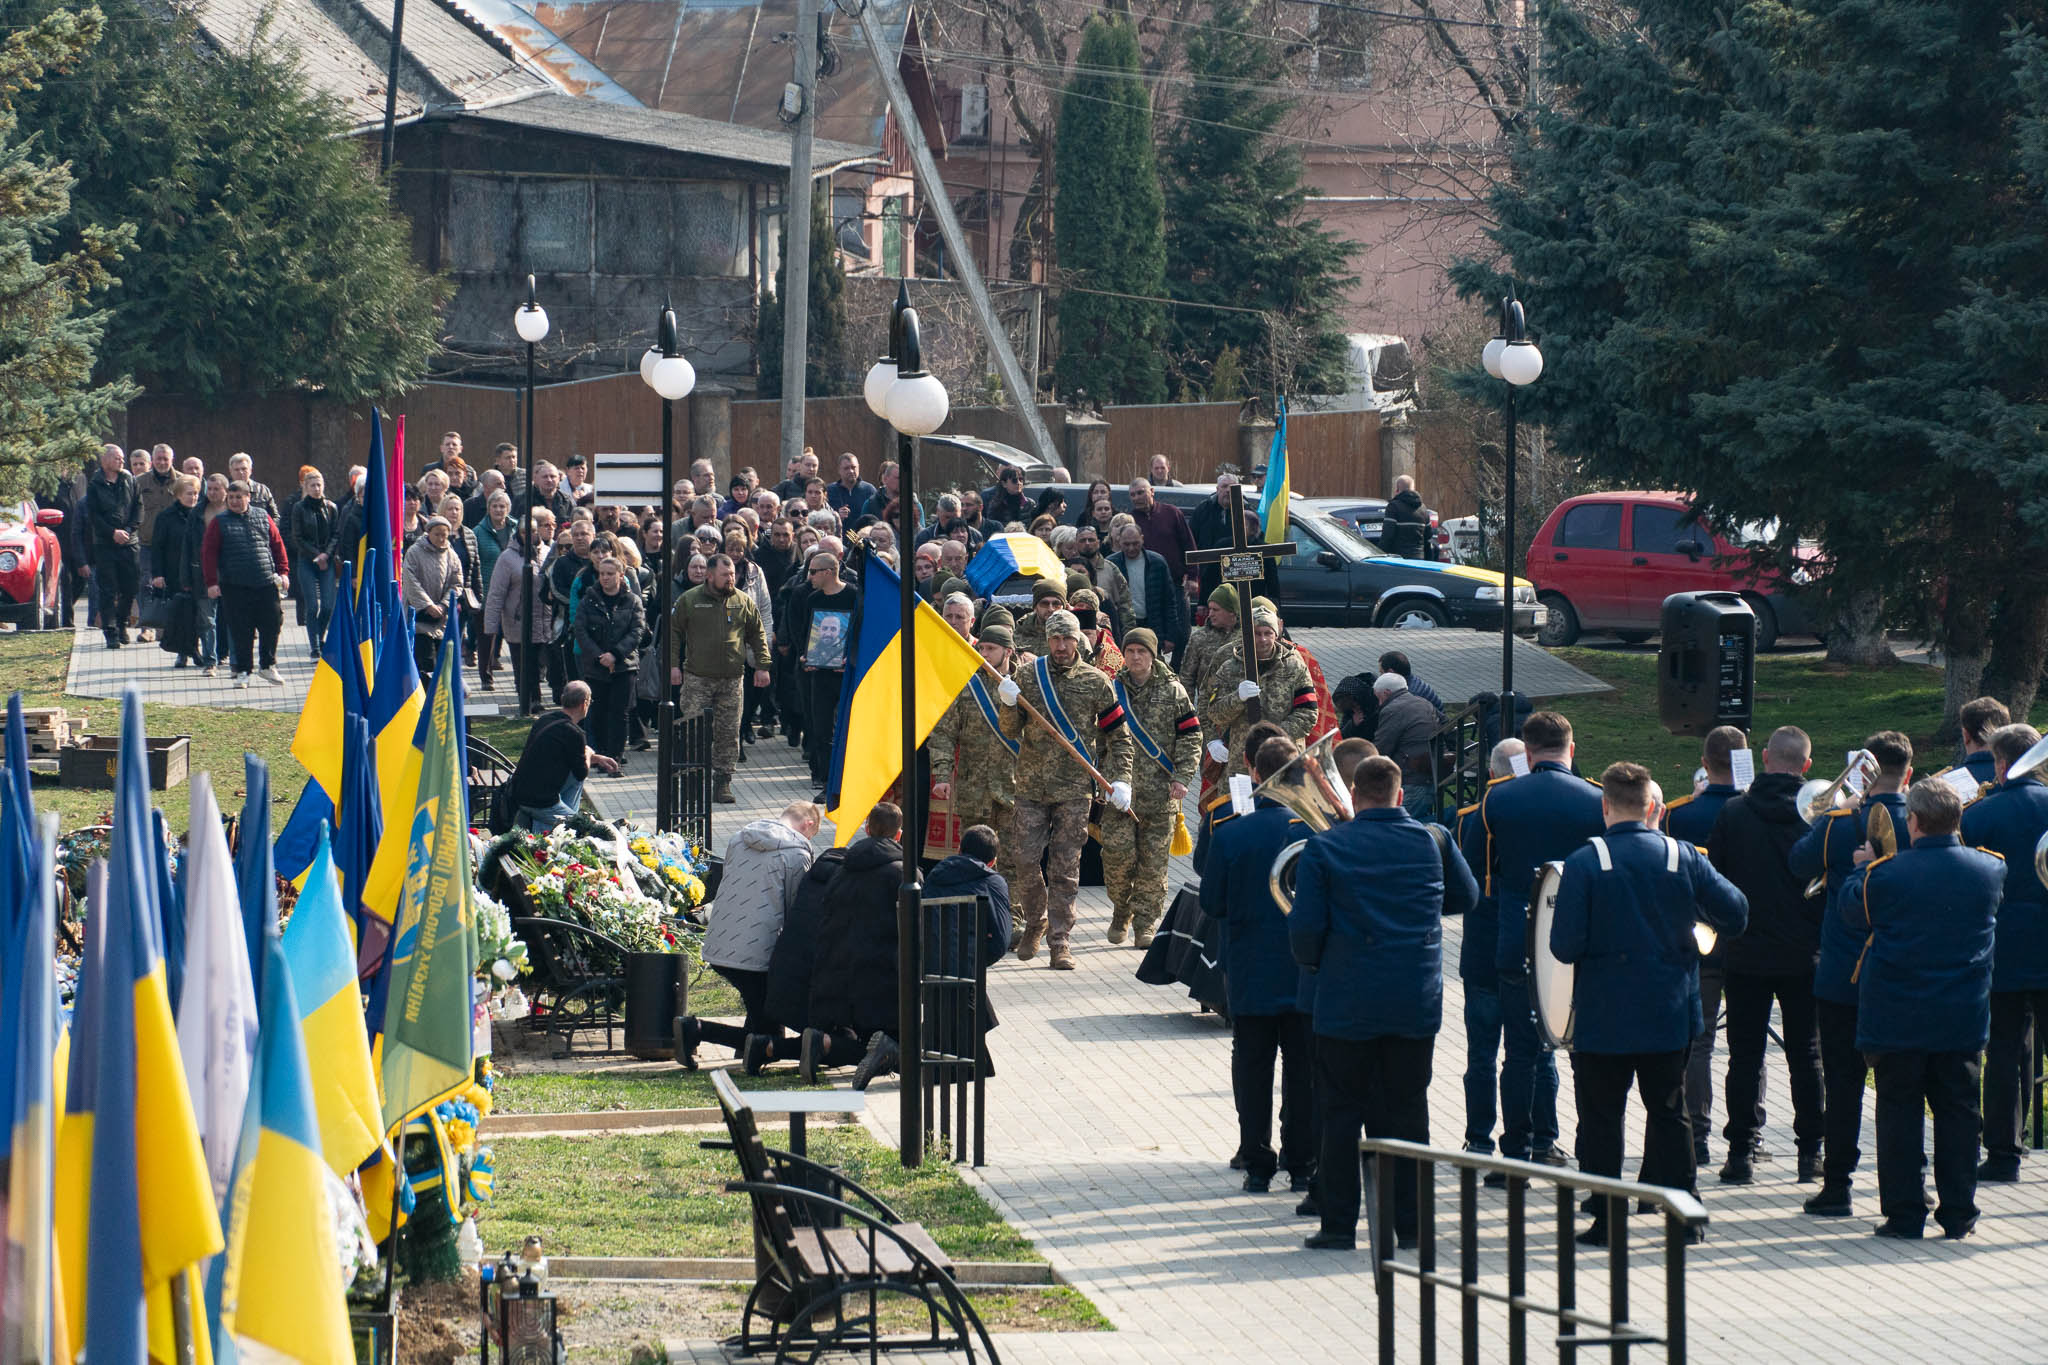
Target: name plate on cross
[
  {"x": 1242, "y": 568},
  {"x": 1243, "y": 561}
]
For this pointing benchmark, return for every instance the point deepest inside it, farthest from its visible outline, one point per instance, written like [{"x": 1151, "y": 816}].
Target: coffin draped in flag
[
  {"x": 867, "y": 751},
  {"x": 1012, "y": 552}
]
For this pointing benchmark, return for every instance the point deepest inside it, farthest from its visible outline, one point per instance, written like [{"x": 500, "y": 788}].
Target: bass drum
[{"x": 1550, "y": 981}]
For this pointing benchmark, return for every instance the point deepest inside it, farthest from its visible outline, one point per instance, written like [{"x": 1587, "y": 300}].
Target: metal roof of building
[{"x": 712, "y": 138}]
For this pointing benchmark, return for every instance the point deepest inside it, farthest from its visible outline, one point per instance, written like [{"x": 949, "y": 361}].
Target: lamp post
[
  {"x": 531, "y": 323},
  {"x": 663, "y": 369},
  {"x": 1510, "y": 356},
  {"x": 915, "y": 403}
]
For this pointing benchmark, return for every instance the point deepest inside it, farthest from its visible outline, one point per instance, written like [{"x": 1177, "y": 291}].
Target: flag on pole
[
  {"x": 17, "y": 878},
  {"x": 255, "y": 874},
  {"x": 170, "y": 908},
  {"x": 131, "y": 1174},
  {"x": 427, "y": 1015},
  {"x": 278, "y": 1288},
  {"x": 867, "y": 751},
  {"x": 319, "y": 948},
  {"x": 355, "y": 849},
  {"x": 31, "y": 1330},
  {"x": 337, "y": 688},
  {"x": 217, "y": 1016},
  {"x": 381, "y": 509},
  {"x": 1273, "y": 493}
]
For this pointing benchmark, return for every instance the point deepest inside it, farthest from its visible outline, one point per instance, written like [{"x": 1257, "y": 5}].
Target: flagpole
[{"x": 909, "y": 910}]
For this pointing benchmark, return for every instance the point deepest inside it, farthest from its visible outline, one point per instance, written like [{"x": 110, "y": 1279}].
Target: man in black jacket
[
  {"x": 1773, "y": 957},
  {"x": 972, "y": 872},
  {"x": 1405, "y": 528},
  {"x": 796, "y": 953},
  {"x": 113, "y": 514},
  {"x": 857, "y": 998}
]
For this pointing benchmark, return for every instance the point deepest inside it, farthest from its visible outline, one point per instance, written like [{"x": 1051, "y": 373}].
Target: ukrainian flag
[
  {"x": 356, "y": 841},
  {"x": 18, "y": 874},
  {"x": 31, "y": 1330},
  {"x": 380, "y": 511},
  {"x": 321, "y": 956},
  {"x": 1012, "y": 552},
  {"x": 338, "y": 690},
  {"x": 396, "y": 702},
  {"x": 277, "y": 1283},
  {"x": 428, "y": 1012},
  {"x": 1273, "y": 494},
  {"x": 867, "y": 752},
  {"x": 134, "y": 1204}
]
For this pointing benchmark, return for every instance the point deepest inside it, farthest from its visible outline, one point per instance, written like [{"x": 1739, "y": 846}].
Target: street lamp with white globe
[
  {"x": 1511, "y": 356},
  {"x": 663, "y": 369},
  {"x": 530, "y": 321},
  {"x": 899, "y": 390}
]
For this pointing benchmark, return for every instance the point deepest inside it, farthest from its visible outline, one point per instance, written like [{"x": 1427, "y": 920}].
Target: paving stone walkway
[{"x": 1111, "y": 1126}]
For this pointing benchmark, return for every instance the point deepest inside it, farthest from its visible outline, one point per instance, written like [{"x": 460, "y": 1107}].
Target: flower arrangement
[
  {"x": 624, "y": 885},
  {"x": 677, "y": 864}
]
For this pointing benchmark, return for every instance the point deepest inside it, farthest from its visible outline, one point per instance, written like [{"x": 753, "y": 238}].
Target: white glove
[
  {"x": 1247, "y": 689},
  {"x": 1218, "y": 752},
  {"x": 1120, "y": 795},
  {"x": 1008, "y": 691}
]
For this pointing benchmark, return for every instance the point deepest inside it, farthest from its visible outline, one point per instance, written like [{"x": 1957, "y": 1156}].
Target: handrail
[{"x": 1683, "y": 1216}]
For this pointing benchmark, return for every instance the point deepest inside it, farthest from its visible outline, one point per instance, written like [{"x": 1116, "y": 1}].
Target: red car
[
  {"x": 30, "y": 558},
  {"x": 1607, "y": 561}
]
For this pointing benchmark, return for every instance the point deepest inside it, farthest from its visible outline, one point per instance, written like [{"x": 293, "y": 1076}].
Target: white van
[{"x": 1379, "y": 374}]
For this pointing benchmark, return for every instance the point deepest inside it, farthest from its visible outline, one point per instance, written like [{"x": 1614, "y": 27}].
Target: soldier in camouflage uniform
[
  {"x": 1050, "y": 819},
  {"x": 1161, "y": 718},
  {"x": 719, "y": 629},
  {"x": 1209, "y": 642},
  {"x": 1047, "y": 597},
  {"x": 974, "y": 764},
  {"x": 1286, "y": 694}
]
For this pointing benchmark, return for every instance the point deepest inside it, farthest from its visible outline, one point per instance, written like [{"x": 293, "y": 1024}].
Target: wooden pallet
[{"x": 51, "y": 729}]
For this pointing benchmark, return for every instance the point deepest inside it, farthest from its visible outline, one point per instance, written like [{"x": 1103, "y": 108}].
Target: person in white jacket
[{"x": 765, "y": 862}]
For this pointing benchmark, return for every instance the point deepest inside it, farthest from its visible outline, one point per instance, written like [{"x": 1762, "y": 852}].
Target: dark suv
[{"x": 1336, "y": 577}]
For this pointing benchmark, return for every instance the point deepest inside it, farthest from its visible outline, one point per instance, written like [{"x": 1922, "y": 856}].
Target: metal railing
[
  {"x": 1681, "y": 1214},
  {"x": 2038, "y": 1087},
  {"x": 1458, "y": 759},
  {"x": 693, "y": 778},
  {"x": 944, "y": 1043}
]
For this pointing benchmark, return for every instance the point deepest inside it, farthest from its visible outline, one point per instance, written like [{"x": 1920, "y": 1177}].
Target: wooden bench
[{"x": 822, "y": 1244}]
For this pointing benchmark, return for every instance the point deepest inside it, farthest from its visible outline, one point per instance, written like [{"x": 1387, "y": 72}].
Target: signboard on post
[
  {"x": 628, "y": 480},
  {"x": 1243, "y": 568}
]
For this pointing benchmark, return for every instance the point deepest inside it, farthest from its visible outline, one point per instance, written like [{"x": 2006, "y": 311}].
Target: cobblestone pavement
[{"x": 1111, "y": 1125}]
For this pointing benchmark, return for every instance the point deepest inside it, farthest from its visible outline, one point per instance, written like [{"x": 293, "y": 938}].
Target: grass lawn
[
  {"x": 1838, "y": 707},
  {"x": 663, "y": 1195},
  {"x": 659, "y": 1086}
]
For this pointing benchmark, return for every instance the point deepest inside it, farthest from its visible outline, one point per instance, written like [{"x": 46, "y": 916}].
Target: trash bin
[
  {"x": 1706, "y": 671},
  {"x": 657, "y": 990}
]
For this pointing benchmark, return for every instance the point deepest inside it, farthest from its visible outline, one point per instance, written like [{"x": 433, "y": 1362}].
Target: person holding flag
[{"x": 1168, "y": 737}]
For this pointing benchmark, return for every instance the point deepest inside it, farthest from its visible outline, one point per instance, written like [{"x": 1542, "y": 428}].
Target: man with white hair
[
  {"x": 240, "y": 466},
  {"x": 1406, "y": 725}
]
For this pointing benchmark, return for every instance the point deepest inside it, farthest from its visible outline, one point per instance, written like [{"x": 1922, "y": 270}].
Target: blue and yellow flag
[
  {"x": 17, "y": 878},
  {"x": 132, "y": 1188},
  {"x": 396, "y": 702},
  {"x": 867, "y": 752},
  {"x": 378, "y": 516},
  {"x": 1010, "y": 552},
  {"x": 339, "y": 689},
  {"x": 319, "y": 948},
  {"x": 31, "y": 1330},
  {"x": 277, "y": 1282},
  {"x": 427, "y": 1015},
  {"x": 1273, "y": 493}
]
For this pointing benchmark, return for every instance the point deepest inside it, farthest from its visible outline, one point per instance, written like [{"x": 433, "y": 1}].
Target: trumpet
[{"x": 1816, "y": 798}]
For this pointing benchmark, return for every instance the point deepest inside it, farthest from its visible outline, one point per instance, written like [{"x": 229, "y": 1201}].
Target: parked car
[
  {"x": 30, "y": 557},
  {"x": 1607, "y": 561},
  {"x": 1367, "y": 516},
  {"x": 1336, "y": 577},
  {"x": 1461, "y": 539}
]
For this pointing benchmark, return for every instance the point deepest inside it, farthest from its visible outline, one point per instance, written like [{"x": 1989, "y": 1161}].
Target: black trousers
[
  {"x": 753, "y": 989},
  {"x": 1699, "y": 1064},
  {"x": 611, "y": 696},
  {"x": 1379, "y": 1086},
  {"x": 116, "y": 569},
  {"x": 821, "y": 719},
  {"x": 789, "y": 686},
  {"x": 549, "y": 679},
  {"x": 1254, "y": 1041},
  {"x": 1842, "y": 1067},
  {"x": 1749, "y": 1016},
  {"x": 426, "y": 652},
  {"x": 1943, "y": 1084},
  {"x": 1601, "y": 1082},
  {"x": 252, "y": 618},
  {"x": 2008, "y": 1067},
  {"x": 758, "y": 703}
]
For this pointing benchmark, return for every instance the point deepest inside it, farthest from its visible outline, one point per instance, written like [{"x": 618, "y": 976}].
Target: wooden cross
[{"x": 1243, "y": 564}]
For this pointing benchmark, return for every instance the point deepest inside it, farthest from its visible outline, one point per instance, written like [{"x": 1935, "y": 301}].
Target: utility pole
[
  {"x": 796, "y": 235},
  {"x": 1021, "y": 390}
]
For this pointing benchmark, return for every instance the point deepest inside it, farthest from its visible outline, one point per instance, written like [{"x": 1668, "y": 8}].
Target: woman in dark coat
[
  {"x": 609, "y": 620},
  {"x": 856, "y": 999},
  {"x": 174, "y": 567}
]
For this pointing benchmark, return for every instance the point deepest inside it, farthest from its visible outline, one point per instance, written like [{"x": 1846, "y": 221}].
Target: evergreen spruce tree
[
  {"x": 1108, "y": 224},
  {"x": 268, "y": 254},
  {"x": 1238, "y": 232},
  {"x": 825, "y": 369},
  {"x": 1775, "y": 256},
  {"x": 52, "y": 414}
]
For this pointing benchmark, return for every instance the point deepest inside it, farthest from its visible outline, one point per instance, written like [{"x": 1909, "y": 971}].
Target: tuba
[{"x": 1310, "y": 787}]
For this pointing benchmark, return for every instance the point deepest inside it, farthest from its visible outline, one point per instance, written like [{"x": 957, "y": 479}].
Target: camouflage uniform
[
  {"x": 1206, "y": 644},
  {"x": 1029, "y": 632},
  {"x": 1134, "y": 851},
  {"x": 1051, "y": 813},
  {"x": 720, "y": 634},
  {"x": 981, "y": 767},
  {"x": 1287, "y": 697}
]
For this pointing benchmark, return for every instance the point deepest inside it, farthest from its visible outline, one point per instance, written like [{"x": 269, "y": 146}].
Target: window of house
[{"x": 554, "y": 226}]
